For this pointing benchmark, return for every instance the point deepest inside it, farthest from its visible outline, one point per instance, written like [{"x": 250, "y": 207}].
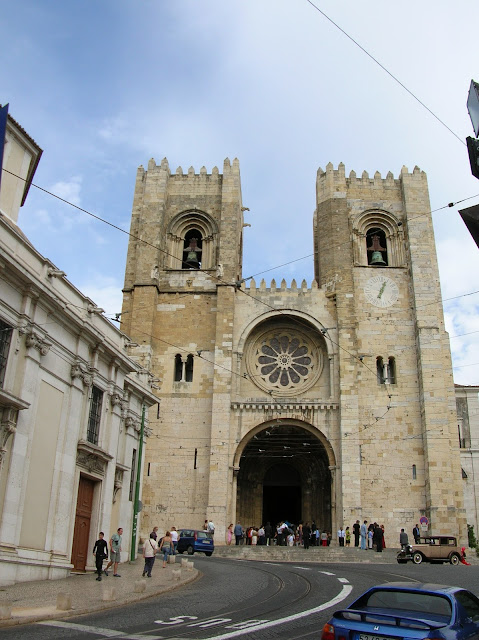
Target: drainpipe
[{"x": 137, "y": 506}]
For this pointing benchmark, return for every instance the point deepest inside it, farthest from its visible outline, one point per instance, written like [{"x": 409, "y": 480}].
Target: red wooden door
[{"x": 81, "y": 532}]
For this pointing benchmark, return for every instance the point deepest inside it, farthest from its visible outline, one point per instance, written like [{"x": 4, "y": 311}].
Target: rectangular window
[
  {"x": 132, "y": 475},
  {"x": 95, "y": 415},
  {"x": 5, "y": 338}
]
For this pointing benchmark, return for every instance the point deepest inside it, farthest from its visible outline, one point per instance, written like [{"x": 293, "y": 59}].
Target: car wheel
[
  {"x": 190, "y": 550},
  {"x": 417, "y": 558},
  {"x": 402, "y": 561},
  {"x": 208, "y": 553},
  {"x": 454, "y": 559}
]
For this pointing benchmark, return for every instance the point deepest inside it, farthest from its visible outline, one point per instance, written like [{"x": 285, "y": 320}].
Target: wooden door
[{"x": 81, "y": 532}]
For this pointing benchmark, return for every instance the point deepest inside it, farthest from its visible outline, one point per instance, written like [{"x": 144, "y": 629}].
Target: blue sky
[{"x": 104, "y": 86}]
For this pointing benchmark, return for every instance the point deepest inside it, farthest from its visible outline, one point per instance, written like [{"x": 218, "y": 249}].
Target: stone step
[{"x": 299, "y": 554}]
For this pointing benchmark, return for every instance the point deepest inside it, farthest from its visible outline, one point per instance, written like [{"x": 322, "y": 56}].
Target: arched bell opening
[{"x": 284, "y": 474}]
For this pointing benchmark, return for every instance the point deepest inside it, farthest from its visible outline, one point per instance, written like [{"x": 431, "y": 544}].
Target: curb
[{"x": 102, "y": 606}]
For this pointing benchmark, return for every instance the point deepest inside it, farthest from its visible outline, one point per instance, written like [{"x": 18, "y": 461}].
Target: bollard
[
  {"x": 184, "y": 562},
  {"x": 190, "y": 566},
  {"x": 140, "y": 586},
  {"x": 5, "y": 610},
  {"x": 176, "y": 574},
  {"x": 64, "y": 601},
  {"x": 108, "y": 594},
  {"x": 171, "y": 559}
]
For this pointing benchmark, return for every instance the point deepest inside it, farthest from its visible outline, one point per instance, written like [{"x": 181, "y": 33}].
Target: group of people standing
[
  {"x": 100, "y": 551},
  {"x": 369, "y": 536},
  {"x": 366, "y": 536}
]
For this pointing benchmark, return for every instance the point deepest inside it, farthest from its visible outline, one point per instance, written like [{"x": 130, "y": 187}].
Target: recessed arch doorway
[{"x": 284, "y": 474}]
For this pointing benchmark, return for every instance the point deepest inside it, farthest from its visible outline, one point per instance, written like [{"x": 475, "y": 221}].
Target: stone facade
[
  {"x": 70, "y": 413},
  {"x": 467, "y": 401},
  {"x": 331, "y": 402}
]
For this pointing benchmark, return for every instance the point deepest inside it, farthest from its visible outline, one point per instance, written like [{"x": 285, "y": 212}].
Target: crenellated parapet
[
  {"x": 335, "y": 179},
  {"x": 273, "y": 287}
]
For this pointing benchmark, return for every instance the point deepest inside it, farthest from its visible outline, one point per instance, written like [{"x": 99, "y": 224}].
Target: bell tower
[
  {"x": 375, "y": 253},
  {"x": 183, "y": 265}
]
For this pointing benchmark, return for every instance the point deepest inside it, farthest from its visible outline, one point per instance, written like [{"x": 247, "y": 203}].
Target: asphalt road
[{"x": 245, "y": 599}]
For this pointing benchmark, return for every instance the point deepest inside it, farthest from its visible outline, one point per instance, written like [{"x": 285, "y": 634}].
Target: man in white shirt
[
  {"x": 210, "y": 527},
  {"x": 341, "y": 536},
  {"x": 174, "y": 538}
]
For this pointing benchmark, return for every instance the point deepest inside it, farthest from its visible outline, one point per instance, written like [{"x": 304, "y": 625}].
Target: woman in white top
[{"x": 149, "y": 552}]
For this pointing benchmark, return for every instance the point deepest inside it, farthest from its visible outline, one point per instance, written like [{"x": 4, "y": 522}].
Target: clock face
[{"x": 381, "y": 291}]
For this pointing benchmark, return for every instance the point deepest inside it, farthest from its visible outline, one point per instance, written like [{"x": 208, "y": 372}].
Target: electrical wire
[{"x": 386, "y": 70}]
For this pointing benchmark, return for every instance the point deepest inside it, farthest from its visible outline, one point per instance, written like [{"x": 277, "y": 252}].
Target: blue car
[
  {"x": 192, "y": 540},
  {"x": 409, "y": 611}
]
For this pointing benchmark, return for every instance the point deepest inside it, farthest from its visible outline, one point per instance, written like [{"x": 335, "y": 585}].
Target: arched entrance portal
[{"x": 284, "y": 475}]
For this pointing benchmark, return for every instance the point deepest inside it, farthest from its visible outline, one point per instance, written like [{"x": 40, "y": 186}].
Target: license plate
[
  {"x": 206, "y": 541},
  {"x": 367, "y": 636}
]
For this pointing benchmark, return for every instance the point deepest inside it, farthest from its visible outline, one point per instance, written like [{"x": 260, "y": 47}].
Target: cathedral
[{"x": 328, "y": 402}]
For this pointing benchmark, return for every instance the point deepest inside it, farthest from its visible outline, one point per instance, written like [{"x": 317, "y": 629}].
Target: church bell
[{"x": 377, "y": 258}]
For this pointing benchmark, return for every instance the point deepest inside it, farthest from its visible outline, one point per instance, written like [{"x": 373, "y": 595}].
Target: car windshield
[{"x": 406, "y": 601}]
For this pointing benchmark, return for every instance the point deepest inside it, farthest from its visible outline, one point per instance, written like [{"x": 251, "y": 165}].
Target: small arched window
[
  {"x": 391, "y": 370},
  {"x": 189, "y": 368},
  {"x": 380, "y": 370},
  {"x": 178, "y": 368}
]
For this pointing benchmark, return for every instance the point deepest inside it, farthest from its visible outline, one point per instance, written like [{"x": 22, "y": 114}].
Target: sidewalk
[{"x": 34, "y": 601}]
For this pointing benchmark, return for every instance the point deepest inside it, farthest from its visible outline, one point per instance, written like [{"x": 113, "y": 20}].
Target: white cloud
[{"x": 69, "y": 190}]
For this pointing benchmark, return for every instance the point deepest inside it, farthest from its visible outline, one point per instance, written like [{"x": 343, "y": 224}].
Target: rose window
[{"x": 284, "y": 361}]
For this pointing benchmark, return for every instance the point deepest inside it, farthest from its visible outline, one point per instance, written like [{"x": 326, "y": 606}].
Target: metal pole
[{"x": 136, "y": 503}]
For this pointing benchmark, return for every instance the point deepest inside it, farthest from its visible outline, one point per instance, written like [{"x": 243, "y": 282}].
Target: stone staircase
[{"x": 299, "y": 554}]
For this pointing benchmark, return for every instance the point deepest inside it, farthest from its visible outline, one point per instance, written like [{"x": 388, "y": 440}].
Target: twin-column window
[
  {"x": 386, "y": 370},
  {"x": 183, "y": 368}
]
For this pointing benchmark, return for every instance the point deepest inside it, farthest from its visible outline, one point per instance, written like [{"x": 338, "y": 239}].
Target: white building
[{"x": 70, "y": 404}]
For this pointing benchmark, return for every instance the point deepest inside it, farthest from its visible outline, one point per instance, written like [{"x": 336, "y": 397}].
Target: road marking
[
  {"x": 107, "y": 633},
  {"x": 344, "y": 580},
  {"x": 303, "y": 568},
  {"x": 344, "y": 593},
  {"x": 327, "y": 573}
]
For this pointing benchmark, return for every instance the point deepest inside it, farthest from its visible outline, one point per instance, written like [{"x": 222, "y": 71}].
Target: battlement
[
  {"x": 228, "y": 168},
  {"x": 273, "y": 287},
  {"x": 334, "y": 178}
]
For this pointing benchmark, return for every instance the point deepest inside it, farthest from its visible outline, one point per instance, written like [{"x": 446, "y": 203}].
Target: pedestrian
[
  {"x": 364, "y": 533},
  {"x": 403, "y": 539},
  {"x": 230, "y": 534},
  {"x": 210, "y": 527},
  {"x": 384, "y": 541},
  {"x": 378, "y": 538},
  {"x": 370, "y": 538},
  {"x": 238, "y": 530},
  {"x": 268, "y": 532},
  {"x": 348, "y": 537},
  {"x": 356, "y": 531},
  {"x": 261, "y": 536},
  {"x": 115, "y": 553},
  {"x": 149, "y": 553},
  {"x": 341, "y": 536},
  {"x": 154, "y": 533},
  {"x": 174, "y": 539},
  {"x": 324, "y": 538},
  {"x": 100, "y": 551},
  {"x": 306, "y": 535},
  {"x": 416, "y": 534},
  {"x": 166, "y": 546}
]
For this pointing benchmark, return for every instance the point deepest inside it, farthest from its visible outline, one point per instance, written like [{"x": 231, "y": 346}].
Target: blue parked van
[{"x": 191, "y": 540}]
